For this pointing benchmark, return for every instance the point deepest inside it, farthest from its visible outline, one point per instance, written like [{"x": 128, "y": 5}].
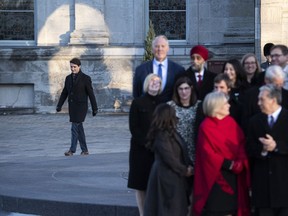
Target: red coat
[{"x": 219, "y": 140}]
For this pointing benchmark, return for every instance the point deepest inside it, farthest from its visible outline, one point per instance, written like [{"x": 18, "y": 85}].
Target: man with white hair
[
  {"x": 273, "y": 75},
  {"x": 268, "y": 153},
  {"x": 166, "y": 69}
]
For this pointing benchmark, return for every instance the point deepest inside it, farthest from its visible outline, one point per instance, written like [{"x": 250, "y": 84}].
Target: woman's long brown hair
[{"x": 164, "y": 118}]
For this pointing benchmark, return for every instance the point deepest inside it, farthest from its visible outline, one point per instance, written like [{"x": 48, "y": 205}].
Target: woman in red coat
[{"x": 221, "y": 182}]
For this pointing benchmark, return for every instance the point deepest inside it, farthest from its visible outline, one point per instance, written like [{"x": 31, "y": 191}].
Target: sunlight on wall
[
  {"x": 91, "y": 18},
  {"x": 110, "y": 71},
  {"x": 274, "y": 22},
  {"x": 56, "y": 25}
]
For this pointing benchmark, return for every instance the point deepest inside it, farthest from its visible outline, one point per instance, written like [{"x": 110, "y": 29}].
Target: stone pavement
[{"x": 36, "y": 178}]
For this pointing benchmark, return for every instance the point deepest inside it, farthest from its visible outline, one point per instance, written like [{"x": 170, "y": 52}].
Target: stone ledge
[
  {"x": 18, "y": 110},
  {"x": 57, "y": 208}
]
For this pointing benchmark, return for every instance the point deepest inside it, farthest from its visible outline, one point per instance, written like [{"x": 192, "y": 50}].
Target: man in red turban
[{"x": 203, "y": 80}]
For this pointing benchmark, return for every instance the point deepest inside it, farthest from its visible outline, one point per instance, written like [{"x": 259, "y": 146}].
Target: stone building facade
[{"x": 108, "y": 36}]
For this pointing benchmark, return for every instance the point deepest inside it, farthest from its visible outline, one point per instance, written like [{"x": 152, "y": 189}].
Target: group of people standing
[
  {"x": 199, "y": 144},
  {"x": 203, "y": 144}
]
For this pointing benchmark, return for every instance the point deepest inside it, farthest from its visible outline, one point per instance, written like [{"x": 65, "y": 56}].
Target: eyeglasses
[
  {"x": 196, "y": 57},
  {"x": 184, "y": 89},
  {"x": 276, "y": 55},
  {"x": 249, "y": 63},
  {"x": 156, "y": 79}
]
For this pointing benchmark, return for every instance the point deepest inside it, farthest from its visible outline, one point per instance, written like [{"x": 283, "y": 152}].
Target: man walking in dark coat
[
  {"x": 268, "y": 151},
  {"x": 78, "y": 87},
  {"x": 166, "y": 69}
]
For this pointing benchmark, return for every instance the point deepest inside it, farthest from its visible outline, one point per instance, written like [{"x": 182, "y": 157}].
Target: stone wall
[
  {"x": 108, "y": 36},
  {"x": 46, "y": 68},
  {"x": 111, "y": 70},
  {"x": 274, "y": 22}
]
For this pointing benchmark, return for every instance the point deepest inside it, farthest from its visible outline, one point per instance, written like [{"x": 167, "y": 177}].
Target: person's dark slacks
[{"x": 77, "y": 133}]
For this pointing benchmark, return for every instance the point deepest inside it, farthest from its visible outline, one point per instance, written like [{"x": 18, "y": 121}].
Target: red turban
[{"x": 200, "y": 50}]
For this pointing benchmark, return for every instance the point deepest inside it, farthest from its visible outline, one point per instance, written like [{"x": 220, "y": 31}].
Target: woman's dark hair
[
  {"x": 164, "y": 118},
  {"x": 180, "y": 81},
  {"x": 240, "y": 72}
]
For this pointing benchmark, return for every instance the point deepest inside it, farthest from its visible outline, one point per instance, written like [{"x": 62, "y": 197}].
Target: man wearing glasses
[{"x": 279, "y": 56}]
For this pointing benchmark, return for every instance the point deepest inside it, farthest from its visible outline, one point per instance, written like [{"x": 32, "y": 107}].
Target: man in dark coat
[
  {"x": 273, "y": 75},
  {"x": 222, "y": 83},
  {"x": 203, "y": 80},
  {"x": 166, "y": 69},
  {"x": 266, "y": 51},
  {"x": 267, "y": 148},
  {"x": 78, "y": 87}
]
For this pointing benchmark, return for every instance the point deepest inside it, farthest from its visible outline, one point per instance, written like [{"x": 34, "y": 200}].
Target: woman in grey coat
[{"x": 167, "y": 192}]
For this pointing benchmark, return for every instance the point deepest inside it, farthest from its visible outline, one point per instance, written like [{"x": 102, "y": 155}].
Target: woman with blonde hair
[
  {"x": 140, "y": 158},
  {"x": 221, "y": 179}
]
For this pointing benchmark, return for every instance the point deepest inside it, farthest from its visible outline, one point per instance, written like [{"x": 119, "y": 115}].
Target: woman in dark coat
[
  {"x": 140, "y": 158},
  {"x": 167, "y": 186},
  {"x": 236, "y": 73},
  {"x": 252, "y": 69},
  {"x": 222, "y": 83}
]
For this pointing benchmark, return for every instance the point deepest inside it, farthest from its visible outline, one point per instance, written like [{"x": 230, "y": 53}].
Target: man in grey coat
[{"x": 78, "y": 87}]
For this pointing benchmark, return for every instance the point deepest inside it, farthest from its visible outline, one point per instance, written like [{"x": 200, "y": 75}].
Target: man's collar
[
  {"x": 276, "y": 113},
  {"x": 201, "y": 72},
  {"x": 165, "y": 62}
]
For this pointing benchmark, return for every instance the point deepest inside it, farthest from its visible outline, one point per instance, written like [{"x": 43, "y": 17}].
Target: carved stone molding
[{"x": 90, "y": 26}]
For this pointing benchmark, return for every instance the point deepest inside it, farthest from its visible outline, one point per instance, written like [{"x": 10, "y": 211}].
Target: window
[
  {"x": 169, "y": 18},
  {"x": 16, "y": 20}
]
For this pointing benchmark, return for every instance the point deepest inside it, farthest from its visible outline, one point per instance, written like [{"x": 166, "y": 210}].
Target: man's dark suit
[
  {"x": 250, "y": 104},
  {"x": 207, "y": 84},
  {"x": 174, "y": 70},
  {"x": 269, "y": 173},
  {"x": 235, "y": 109}
]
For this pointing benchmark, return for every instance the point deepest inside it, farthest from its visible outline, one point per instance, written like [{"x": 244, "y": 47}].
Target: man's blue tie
[
  {"x": 160, "y": 70},
  {"x": 271, "y": 121}
]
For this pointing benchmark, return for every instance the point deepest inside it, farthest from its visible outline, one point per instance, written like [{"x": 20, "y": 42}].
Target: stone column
[
  {"x": 258, "y": 29},
  {"x": 274, "y": 22},
  {"x": 90, "y": 26}
]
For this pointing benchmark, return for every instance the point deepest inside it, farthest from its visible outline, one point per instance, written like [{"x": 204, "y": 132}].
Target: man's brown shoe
[
  {"x": 84, "y": 153},
  {"x": 68, "y": 153}
]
